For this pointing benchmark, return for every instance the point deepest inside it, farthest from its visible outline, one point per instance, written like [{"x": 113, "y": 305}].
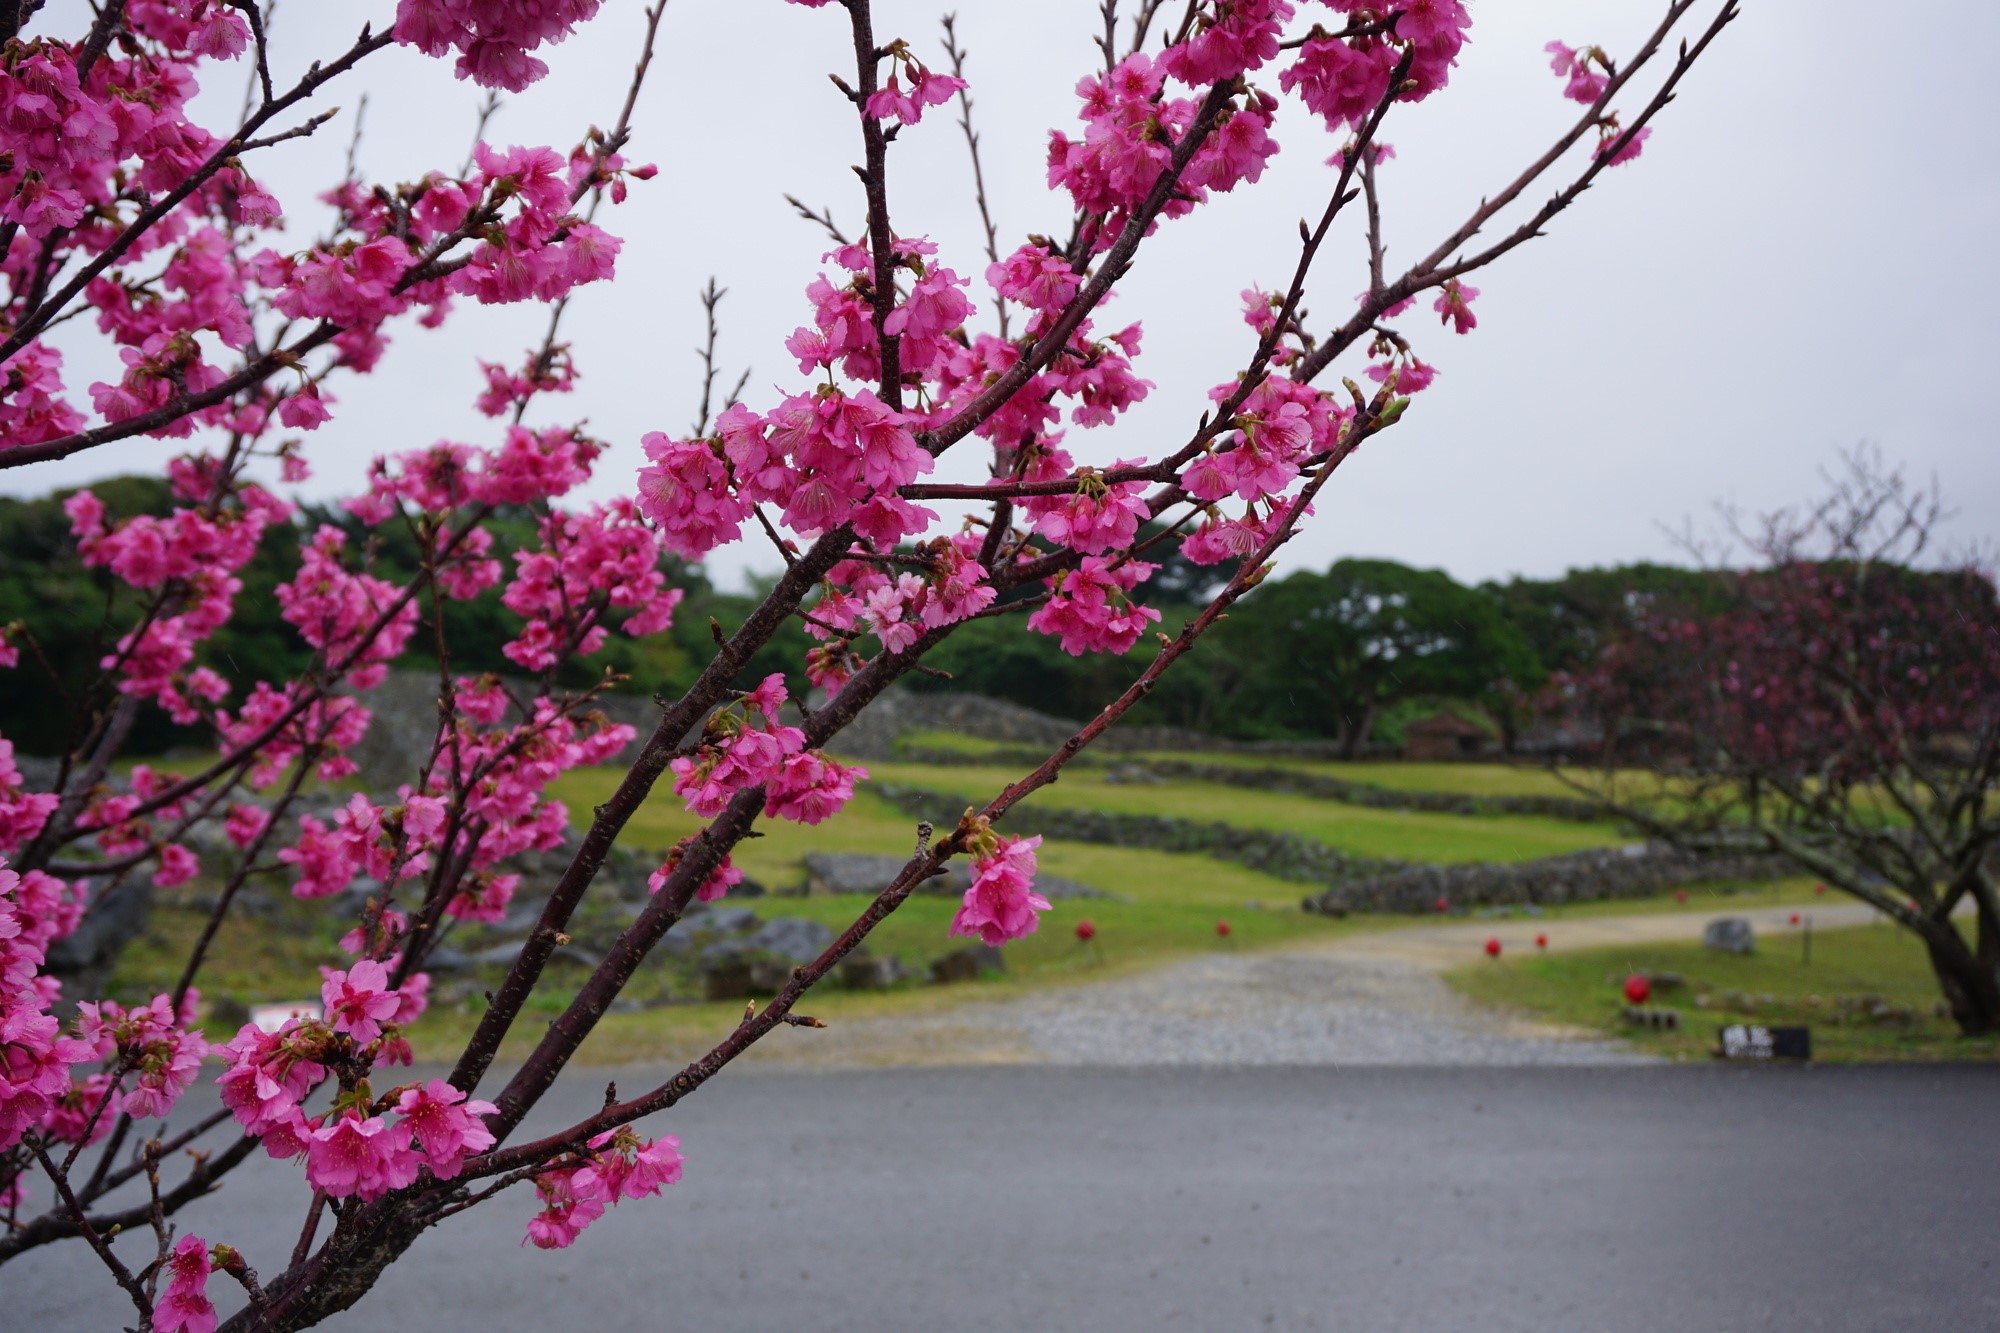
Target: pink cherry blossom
[
  {"x": 359, "y": 1155},
  {"x": 1454, "y": 304},
  {"x": 446, "y": 1125},
  {"x": 359, "y": 1000},
  {"x": 566, "y": 1209},
  {"x": 1586, "y": 83},
  {"x": 1002, "y": 903}
]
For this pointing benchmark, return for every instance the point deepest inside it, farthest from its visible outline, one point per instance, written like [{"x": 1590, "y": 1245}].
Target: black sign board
[{"x": 1754, "y": 1041}]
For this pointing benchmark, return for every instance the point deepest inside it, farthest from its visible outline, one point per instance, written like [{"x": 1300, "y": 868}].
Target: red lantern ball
[
  {"x": 1085, "y": 932},
  {"x": 1222, "y": 930},
  {"x": 1795, "y": 918},
  {"x": 1541, "y": 941},
  {"x": 1493, "y": 948},
  {"x": 1443, "y": 904},
  {"x": 1680, "y": 895},
  {"x": 1638, "y": 990}
]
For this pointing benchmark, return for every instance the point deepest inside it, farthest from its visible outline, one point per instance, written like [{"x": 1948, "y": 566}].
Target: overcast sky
[{"x": 1803, "y": 259}]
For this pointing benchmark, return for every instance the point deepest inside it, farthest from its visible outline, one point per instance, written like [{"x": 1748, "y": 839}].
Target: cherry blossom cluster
[
  {"x": 36, "y": 909},
  {"x": 184, "y": 1307},
  {"x": 1128, "y": 138},
  {"x": 66, "y": 137},
  {"x": 492, "y": 37},
  {"x": 1001, "y": 904},
  {"x": 604, "y": 559},
  {"x": 1344, "y": 78},
  {"x": 198, "y": 550},
  {"x": 927, "y": 88},
  {"x": 81, "y": 154},
  {"x": 618, "y": 1165},
  {"x": 737, "y": 754},
  {"x": 361, "y": 1146}
]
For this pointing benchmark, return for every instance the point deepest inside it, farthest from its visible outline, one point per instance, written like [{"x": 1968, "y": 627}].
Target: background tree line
[{"x": 1348, "y": 654}]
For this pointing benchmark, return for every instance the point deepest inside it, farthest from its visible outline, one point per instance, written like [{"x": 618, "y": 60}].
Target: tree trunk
[
  {"x": 363, "y": 1260},
  {"x": 1356, "y": 732},
  {"x": 1970, "y": 981}
]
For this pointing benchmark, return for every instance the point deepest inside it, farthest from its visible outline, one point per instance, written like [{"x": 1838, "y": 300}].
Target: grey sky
[{"x": 1801, "y": 260}]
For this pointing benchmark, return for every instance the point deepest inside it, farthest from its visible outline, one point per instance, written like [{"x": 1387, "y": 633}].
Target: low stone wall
[
  {"x": 1283, "y": 855},
  {"x": 1636, "y": 870}
]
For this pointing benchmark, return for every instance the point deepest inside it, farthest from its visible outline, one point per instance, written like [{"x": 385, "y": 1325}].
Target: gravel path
[{"x": 1372, "y": 999}]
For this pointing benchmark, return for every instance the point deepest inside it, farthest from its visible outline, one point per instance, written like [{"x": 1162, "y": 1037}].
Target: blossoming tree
[
  {"x": 120, "y": 212},
  {"x": 1834, "y": 705}
]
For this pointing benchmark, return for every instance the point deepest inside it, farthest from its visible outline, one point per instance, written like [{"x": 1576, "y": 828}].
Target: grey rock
[
  {"x": 966, "y": 964},
  {"x": 768, "y": 976},
  {"x": 444, "y": 958},
  {"x": 726, "y": 979},
  {"x": 83, "y": 959},
  {"x": 793, "y": 938},
  {"x": 504, "y": 954},
  {"x": 724, "y": 920},
  {"x": 1729, "y": 934},
  {"x": 867, "y": 972}
]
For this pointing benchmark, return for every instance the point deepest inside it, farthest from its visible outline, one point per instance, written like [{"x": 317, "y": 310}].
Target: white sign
[{"x": 271, "y": 1017}]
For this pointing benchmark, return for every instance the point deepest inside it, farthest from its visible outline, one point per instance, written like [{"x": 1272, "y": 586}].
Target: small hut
[{"x": 1443, "y": 736}]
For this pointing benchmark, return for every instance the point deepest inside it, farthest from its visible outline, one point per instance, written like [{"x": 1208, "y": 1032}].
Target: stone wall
[
  {"x": 1636, "y": 870},
  {"x": 1284, "y": 855}
]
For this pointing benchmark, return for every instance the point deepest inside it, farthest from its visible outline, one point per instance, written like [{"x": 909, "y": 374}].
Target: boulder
[
  {"x": 966, "y": 964},
  {"x": 722, "y": 920},
  {"x": 504, "y": 953},
  {"x": 1729, "y": 934},
  {"x": 726, "y": 978},
  {"x": 83, "y": 959},
  {"x": 768, "y": 976},
  {"x": 794, "y": 939},
  {"x": 865, "y": 972}
]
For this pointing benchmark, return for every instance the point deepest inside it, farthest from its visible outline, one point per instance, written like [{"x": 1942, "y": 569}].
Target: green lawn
[
  {"x": 1407, "y": 835},
  {"x": 953, "y": 742},
  {"x": 1771, "y": 986},
  {"x": 1467, "y": 779}
]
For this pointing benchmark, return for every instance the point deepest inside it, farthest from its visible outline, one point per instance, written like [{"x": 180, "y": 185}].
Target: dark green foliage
[
  {"x": 1325, "y": 654},
  {"x": 1346, "y": 654},
  {"x": 75, "y": 616}
]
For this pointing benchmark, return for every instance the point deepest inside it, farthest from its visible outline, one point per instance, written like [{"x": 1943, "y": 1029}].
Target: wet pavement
[{"x": 1378, "y": 1199}]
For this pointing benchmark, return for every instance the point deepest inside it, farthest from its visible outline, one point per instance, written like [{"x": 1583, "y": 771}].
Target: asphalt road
[{"x": 1381, "y": 1199}]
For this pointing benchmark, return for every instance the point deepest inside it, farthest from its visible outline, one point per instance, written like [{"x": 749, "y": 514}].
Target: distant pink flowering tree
[{"x": 119, "y": 210}]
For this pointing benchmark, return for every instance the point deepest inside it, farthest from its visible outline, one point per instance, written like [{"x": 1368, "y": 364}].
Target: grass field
[
  {"x": 1470, "y": 779},
  {"x": 1771, "y": 986}
]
